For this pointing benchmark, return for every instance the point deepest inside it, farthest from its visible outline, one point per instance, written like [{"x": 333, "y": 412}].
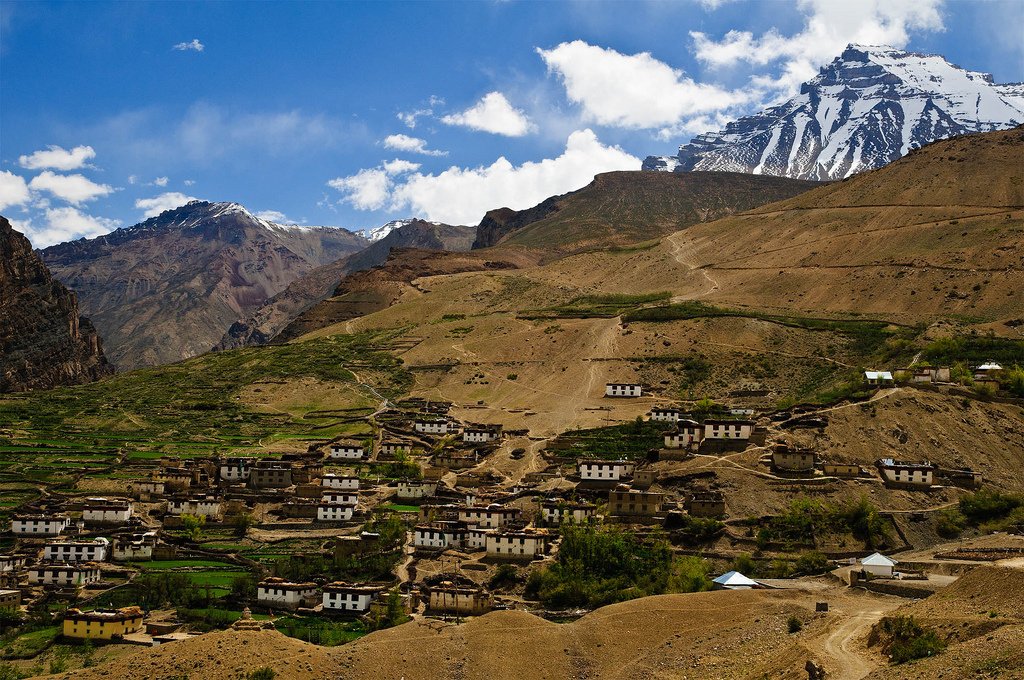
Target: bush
[
  {"x": 794, "y": 625},
  {"x": 693, "y": 530},
  {"x": 986, "y": 505},
  {"x": 811, "y": 563},
  {"x": 909, "y": 640},
  {"x": 506, "y": 575},
  {"x": 265, "y": 673},
  {"x": 951, "y": 523}
]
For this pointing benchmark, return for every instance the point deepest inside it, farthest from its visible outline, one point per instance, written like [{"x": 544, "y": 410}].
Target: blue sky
[{"x": 351, "y": 114}]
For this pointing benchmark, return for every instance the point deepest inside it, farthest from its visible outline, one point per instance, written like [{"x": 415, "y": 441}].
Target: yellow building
[{"x": 102, "y": 624}]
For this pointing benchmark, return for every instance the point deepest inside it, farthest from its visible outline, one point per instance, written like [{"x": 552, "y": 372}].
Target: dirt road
[{"x": 842, "y": 644}]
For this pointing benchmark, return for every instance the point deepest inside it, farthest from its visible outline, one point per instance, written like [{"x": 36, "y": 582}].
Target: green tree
[{"x": 192, "y": 526}]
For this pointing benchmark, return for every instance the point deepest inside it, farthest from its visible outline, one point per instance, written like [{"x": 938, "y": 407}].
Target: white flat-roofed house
[
  {"x": 989, "y": 369},
  {"x": 134, "y": 548},
  {"x": 792, "y": 459},
  {"x": 236, "y": 469},
  {"x": 11, "y": 563},
  {"x": 688, "y": 433},
  {"x": 476, "y": 538},
  {"x": 557, "y": 511},
  {"x": 341, "y": 482},
  {"x": 346, "y": 450},
  {"x": 515, "y": 545},
  {"x": 63, "y": 574},
  {"x": 209, "y": 507},
  {"x": 623, "y": 390},
  {"x": 907, "y": 474},
  {"x": 340, "y": 497},
  {"x": 439, "y": 536},
  {"x": 352, "y": 598},
  {"x": 481, "y": 434},
  {"x": 878, "y": 377},
  {"x": 667, "y": 414},
  {"x": 431, "y": 426},
  {"x": 728, "y": 429},
  {"x": 604, "y": 470},
  {"x": 107, "y": 511},
  {"x": 276, "y": 592},
  {"x": 94, "y": 550},
  {"x": 392, "y": 449},
  {"x": 147, "y": 488},
  {"x": 334, "y": 512},
  {"x": 878, "y": 565},
  {"x": 39, "y": 525},
  {"x": 413, "y": 489},
  {"x": 488, "y": 517}
]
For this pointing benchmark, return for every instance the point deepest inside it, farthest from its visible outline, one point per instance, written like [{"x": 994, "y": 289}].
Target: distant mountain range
[
  {"x": 44, "y": 341},
  {"x": 867, "y": 108},
  {"x": 167, "y": 288}
]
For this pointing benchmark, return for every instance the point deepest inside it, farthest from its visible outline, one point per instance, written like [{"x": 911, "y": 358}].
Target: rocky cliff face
[
  {"x": 276, "y": 313},
  {"x": 43, "y": 340},
  {"x": 867, "y": 108},
  {"x": 166, "y": 289}
]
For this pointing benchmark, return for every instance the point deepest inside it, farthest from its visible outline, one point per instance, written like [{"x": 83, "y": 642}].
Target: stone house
[
  {"x": 39, "y": 525},
  {"x": 626, "y": 502},
  {"x": 64, "y": 575},
  {"x": 115, "y": 511},
  {"x": 686, "y": 434},
  {"x": 349, "y": 598},
  {"x": 94, "y": 550},
  {"x": 907, "y": 474},
  {"x": 279, "y": 593},
  {"x": 597, "y": 470},
  {"x": 728, "y": 429},
  {"x": 623, "y": 390}
]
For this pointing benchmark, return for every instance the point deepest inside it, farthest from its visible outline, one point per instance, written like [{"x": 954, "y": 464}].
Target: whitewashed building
[
  {"x": 515, "y": 545},
  {"x": 414, "y": 489},
  {"x": 209, "y": 507},
  {"x": 95, "y": 550},
  {"x": 145, "y": 488},
  {"x": 481, "y": 434},
  {"x": 424, "y": 426},
  {"x": 63, "y": 575},
  {"x": 667, "y": 414},
  {"x": 903, "y": 473},
  {"x": 623, "y": 390},
  {"x": 340, "y": 482},
  {"x": 439, "y": 536},
  {"x": 236, "y": 469},
  {"x": 488, "y": 517},
  {"x": 350, "y": 598},
  {"x": 11, "y": 563},
  {"x": 40, "y": 525},
  {"x": 878, "y": 565},
  {"x": 347, "y": 450},
  {"x": 688, "y": 433},
  {"x": 728, "y": 429},
  {"x": 878, "y": 378},
  {"x": 278, "y": 593},
  {"x": 334, "y": 512},
  {"x": 556, "y": 511},
  {"x": 598, "y": 470},
  {"x": 134, "y": 548},
  {"x": 340, "y": 497},
  {"x": 107, "y": 511}
]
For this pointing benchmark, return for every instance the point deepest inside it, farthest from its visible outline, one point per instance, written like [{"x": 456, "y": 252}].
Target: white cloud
[
  {"x": 67, "y": 224},
  {"x": 74, "y": 189},
  {"x": 463, "y": 195},
  {"x": 193, "y": 45},
  {"x": 13, "y": 190},
  {"x": 366, "y": 190},
  {"x": 160, "y": 181},
  {"x": 276, "y": 216},
  {"x": 132, "y": 179},
  {"x": 58, "y": 158},
  {"x": 494, "y": 114},
  {"x": 152, "y": 207},
  {"x": 189, "y": 182},
  {"x": 829, "y": 25},
  {"x": 410, "y": 118},
  {"x": 632, "y": 91},
  {"x": 399, "y": 166},
  {"x": 402, "y": 142}
]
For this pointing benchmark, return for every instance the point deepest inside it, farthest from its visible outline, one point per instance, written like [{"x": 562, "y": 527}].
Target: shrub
[
  {"x": 506, "y": 575},
  {"x": 264, "y": 673},
  {"x": 794, "y": 625},
  {"x": 951, "y": 523},
  {"x": 909, "y": 640},
  {"x": 985, "y": 505},
  {"x": 512, "y": 376},
  {"x": 810, "y": 563}
]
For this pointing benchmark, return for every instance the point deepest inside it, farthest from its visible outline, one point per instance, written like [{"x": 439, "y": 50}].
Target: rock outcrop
[{"x": 43, "y": 340}]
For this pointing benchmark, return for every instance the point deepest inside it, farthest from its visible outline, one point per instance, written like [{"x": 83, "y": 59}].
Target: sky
[{"x": 352, "y": 114}]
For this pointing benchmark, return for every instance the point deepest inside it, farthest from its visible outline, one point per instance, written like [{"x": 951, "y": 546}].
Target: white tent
[
  {"x": 878, "y": 564},
  {"x": 734, "y": 580}
]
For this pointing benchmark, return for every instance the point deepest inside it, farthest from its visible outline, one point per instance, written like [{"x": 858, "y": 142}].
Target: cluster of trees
[
  {"x": 807, "y": 520},
  {"x": 598, "y": 566},
  {"x": 986, "y": 509},
  {"x": 376, "y": 566},
  {"x": 808, "y": 563}
]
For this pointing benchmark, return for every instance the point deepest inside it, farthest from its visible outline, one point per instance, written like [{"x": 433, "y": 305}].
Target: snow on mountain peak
[{"x": 868, "y": 107}]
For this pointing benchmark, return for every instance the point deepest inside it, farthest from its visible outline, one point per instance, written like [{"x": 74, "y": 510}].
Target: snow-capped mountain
[
  {"x": 377, "y": 233},
  {"x": 867, "y": 108}
]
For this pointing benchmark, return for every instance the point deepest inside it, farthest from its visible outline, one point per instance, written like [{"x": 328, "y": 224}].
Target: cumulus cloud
[
  {"x": 275, "y": 216},
  {"x": 632, "y": 91},
  {"x": 193, "y": 45},
  {"x": 58, "y": 158},
  {"x": 75, "y": 189},
  {"x": 189, "y": 182},
  {"x": 67, "y": 224},
  {"x": 402, "y": 142},
  {"x": 494, "y": 114},
  {"x": 368, "y": 189},
  {"x": 152, "y": 207},
  {"x": 829, "y": 25},
  {"x": 13, "y": 190},
  {"x": 410, "y": 118},
  {"x": 399, "y": 166},
  {"x": 160, "y": 181},
  {"x": 463, "y": 195}
]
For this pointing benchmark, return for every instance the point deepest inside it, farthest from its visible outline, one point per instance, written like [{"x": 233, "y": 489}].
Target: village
[{"x": 445, "y": 536}]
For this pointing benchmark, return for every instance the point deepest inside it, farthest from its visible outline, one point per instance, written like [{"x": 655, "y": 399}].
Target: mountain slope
[
  {"x": 166, "y": 289},
  {"x": 278, "y": 311},
  {"x": 867, "y": 108},
  {"x": 43, "y": 340}
]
